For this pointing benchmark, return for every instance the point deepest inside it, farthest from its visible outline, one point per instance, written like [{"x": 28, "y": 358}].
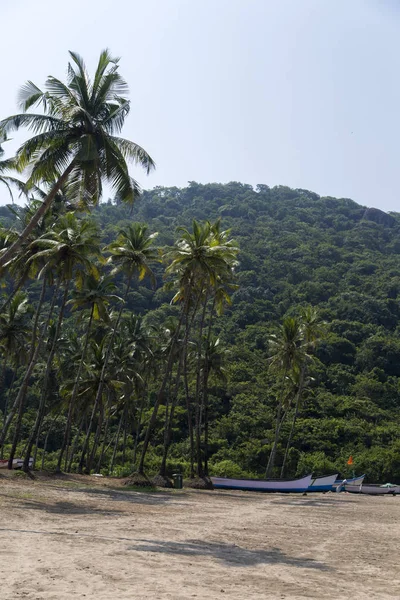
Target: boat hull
[
  {"x": 323, "y": 484},
  {"x": 354, "y": 481},
  {"x": 372, "y": 490},
  {"x": 263, "y": 485},
  {"x": 17, "y": 463}
]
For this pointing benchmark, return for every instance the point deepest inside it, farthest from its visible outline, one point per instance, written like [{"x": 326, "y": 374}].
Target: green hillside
[{"x": 296, "y": 249}]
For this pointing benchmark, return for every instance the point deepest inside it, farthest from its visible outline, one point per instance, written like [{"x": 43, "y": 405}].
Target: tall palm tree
[
  {"x": 76, "y": 139},
  {"x": 70, "y": 247},
  {"x": 196, "y": 261},
  {"x": 93, "y": 294},
  {"x": 312, "y": 331},
  {"x": 287, "y": 351},
  {"x": 131, "y": 254}
]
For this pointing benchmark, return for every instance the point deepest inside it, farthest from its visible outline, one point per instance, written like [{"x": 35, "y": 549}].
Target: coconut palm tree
[
  {"x": 287, "y": 352},
  {"x": 93, "y": 294},
  {"x": 312, "y": 331},
  {"x": 131, "y": 254},
  {"x": 75, "y": 141},
  {"x": 197, "y": 261},
  {"x": 70, "y": 247}
]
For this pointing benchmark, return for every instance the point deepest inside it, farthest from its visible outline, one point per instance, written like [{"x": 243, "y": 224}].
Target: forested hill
[{"x": 296, "y": 249}]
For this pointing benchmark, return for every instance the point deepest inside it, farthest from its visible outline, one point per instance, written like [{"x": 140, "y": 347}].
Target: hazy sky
[{"x": 304, "y": 93}]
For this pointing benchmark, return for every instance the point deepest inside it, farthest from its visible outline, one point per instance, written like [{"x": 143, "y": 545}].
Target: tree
[
  {"x": 312, "y": 331},
  {"x": 94, "y": 294},
  {"x": 286, "y": 352},
  {"x": 131, "y": 254},
  {"x": 75, "y": 142},
  {"x": 71, "y": 246}
]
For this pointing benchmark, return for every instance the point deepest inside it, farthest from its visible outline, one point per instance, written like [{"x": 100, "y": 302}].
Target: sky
[{"x": 303, "y": 93}]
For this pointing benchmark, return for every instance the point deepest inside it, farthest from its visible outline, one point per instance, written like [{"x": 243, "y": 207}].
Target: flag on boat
[{"x": 350, "y": 461}]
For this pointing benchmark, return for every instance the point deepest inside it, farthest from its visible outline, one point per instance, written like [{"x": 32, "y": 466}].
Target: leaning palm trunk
[
  {"x": 271, "y": 460},
  {"x": 33, "y": 358},
  {"x": 114, "y": 454},
  {"x": 71, "y": 407},
  {"x": 102, "y": 376},
  {"x": 10, "y": 389},
  {"x": 206, "y": 374},
  {"x": 92, "y": 453},
  {"x": 296, "y": 413},
  {"x": 199, "y": 397},
  {"x": 15, "y": 290},
  {"x": 42, "y": 403},
  {"x": 169, "y": 422},
  {"x": 69, "y": 459},
  {"x": 40, "y": 213},
  {"x": 160, "y": 395}
]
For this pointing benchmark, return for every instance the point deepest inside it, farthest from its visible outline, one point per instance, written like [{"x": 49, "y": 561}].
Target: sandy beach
[{"x": 80, "y": 537}]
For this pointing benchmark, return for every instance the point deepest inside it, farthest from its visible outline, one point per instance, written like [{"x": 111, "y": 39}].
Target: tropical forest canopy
[{"x": 205, "y": 333}]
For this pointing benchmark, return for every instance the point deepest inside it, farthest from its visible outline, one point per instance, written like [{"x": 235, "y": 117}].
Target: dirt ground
[{"x": 81, "y": 538}]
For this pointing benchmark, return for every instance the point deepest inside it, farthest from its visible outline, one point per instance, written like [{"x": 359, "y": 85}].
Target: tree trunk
[
  {"x": 114, "y": 454},
  {"x": 103, "y": 446},
  {"x": 32, "y": 359},
  {"x": 271, "y": 460},
  {"x": 6, "y": 405},
  {"x": 42, "y": 403},
  {"x": 205, "y": 388},
  {"x": 103, "y": 374},
  {"x": 160, "y": 394},
  {"x": 296, "y": 412},
  {"x": 74, "y": 394},
  {"x": 92, "y": 453},
  {"x": 47, "y": 439},
  {"x": 199, "y": 398},
  {"x": 169, "y": 422},
  {"x": 41, "y": 211},
  {"x": 68, "y": 465},
  {"x": 15, "y": 290}
]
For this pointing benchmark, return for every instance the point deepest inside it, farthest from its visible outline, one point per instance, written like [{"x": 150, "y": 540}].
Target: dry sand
[{"x": 80, "y": 538}]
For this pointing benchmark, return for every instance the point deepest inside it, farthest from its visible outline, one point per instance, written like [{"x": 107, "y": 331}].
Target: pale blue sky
[{"x": 304, "y": 93}]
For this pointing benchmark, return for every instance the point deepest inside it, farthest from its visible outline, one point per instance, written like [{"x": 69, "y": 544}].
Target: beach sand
[{"x": 78, "y": 537}]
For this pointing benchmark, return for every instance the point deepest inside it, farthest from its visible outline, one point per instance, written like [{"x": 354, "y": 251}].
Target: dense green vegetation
[
  {"x": 213, "y": 329},
  {"x": 296, "y": 250}
]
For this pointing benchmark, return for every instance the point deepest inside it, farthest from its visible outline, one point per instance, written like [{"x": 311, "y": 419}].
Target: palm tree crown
[{"x": 76, "y": 143}]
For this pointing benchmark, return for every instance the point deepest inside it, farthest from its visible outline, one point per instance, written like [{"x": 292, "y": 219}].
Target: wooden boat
[
  {"x": 373, "y": 489},
  {"x": 322, "y": 484},
  {"x": 17, "y": 463},
  {"x": 263, "y": 485},
  {"x": 354, "y": 481}
]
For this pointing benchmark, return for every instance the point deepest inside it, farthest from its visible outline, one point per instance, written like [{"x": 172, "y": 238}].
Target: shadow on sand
[{"x": 230, "y": 554}]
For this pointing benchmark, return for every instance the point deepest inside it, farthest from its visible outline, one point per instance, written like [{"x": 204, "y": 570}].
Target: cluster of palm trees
[
  {"x": 74, "y": 351},
  {"x": 71, "y": 347}
]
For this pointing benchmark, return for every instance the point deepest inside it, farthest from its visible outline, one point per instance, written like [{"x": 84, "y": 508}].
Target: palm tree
[
  {"x": 76, "y": 141},
  {"x": 312, "y": 331},
  {"x": 70, "y": 247},
  {"x": 93, "y": 294},
  {"x": 287, "y": 351},
  {"x": 197, "y": 261},
  {"x": 131, "y": 254}
]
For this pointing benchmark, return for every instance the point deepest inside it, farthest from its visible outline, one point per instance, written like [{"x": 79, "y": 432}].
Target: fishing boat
[
  {"x": 322, "y": 484},
  {"x": 373, "y": 489},
  {"x": 263, "y": 485},
  {"x": 17, "y": 463},
  {"x": 353, "y": 481}
]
